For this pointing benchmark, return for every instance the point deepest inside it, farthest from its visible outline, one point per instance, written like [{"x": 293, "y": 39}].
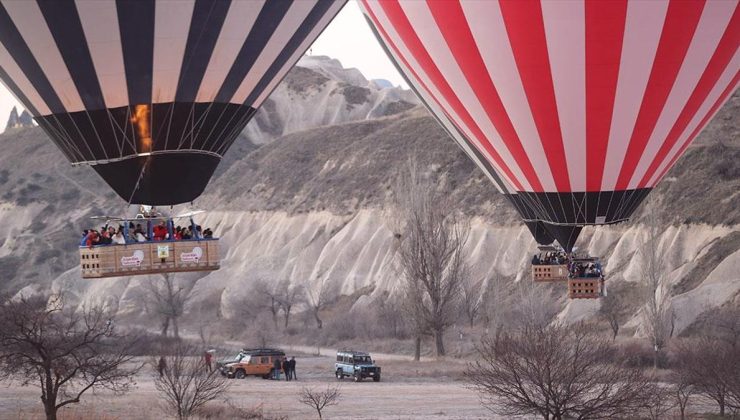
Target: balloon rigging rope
[{"x": 138, "y": 181}]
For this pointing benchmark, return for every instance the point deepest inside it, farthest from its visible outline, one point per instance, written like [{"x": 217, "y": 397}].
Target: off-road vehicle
[
  {"x": 356, "y": 364},
  {"x": 254, "y": 362}
]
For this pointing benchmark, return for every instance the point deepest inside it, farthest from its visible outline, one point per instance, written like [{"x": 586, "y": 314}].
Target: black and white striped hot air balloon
[
  {"x": 575, "y": 109},
  {"x": 151, "y": 93}
]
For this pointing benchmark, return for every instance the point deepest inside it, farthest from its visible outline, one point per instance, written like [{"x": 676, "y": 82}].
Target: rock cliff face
[
  {"x": 311, "y": 206},
  {"x": 16, "y": 121}
]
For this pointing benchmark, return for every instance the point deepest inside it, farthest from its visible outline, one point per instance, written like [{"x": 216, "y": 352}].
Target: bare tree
[
  {"x": 431, "y": 254},
  {"x": 471, "y": 299},
  {"x": 288, "y": 295},
  {"x": 683, "y": 389},
  {"x": 712, "y": 366},
  {"x": 557, "y": 372},
  {"x": 62, "y": 351},
  {"x": 414, "y": 310},
  {"x": 495, "y": 304},
  {"x": 186, "y": 385},
  {"x": 659, "y": 402},
  {"x": 724, "y": 323},
  {"x": 657, "y": 313},
  {"x": 389, "y": 313},
  {"x": 612, "y": 312},
  {"x": 319, "y": 298},
  {"x": 319, "y": 400},
  {"x": 531, "y": 307},
  {"x": 167, "y": 300},
  {"x": 268, "y": 298}
]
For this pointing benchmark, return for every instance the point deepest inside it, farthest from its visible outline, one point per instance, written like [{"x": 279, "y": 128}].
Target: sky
[{"x": 348, "y": 39}]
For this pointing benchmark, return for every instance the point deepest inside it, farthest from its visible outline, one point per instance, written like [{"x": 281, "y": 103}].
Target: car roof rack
[
  {"x": 354, "y": 352},
  {"x": 258, "y": 351}
]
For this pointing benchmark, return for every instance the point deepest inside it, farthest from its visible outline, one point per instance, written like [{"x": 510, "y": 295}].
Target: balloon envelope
[
  {"x": 151, "y": 93},
  {"x": 574, "y": 109}
]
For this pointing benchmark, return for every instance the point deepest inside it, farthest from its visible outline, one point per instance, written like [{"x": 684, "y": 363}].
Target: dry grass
[{"x": 228, "y": 409}]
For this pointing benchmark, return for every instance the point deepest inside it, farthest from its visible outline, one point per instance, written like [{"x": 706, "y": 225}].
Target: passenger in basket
[
  {"x": 92, "y": 238},
  {"x": 105, "y": 238},
  {"x": 160, "y": 232},
  {"x": 139, "y": 237},
  {"x": 178, "y": 233},
  {"x": 118, "y": 237},
  {"x": 208, "y": 234},
  {"x": 138, "y": 234},
  {"x": 186, "y": 233}
]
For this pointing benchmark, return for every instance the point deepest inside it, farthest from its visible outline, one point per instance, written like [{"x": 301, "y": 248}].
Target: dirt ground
[{"x": 428, "y": 390}]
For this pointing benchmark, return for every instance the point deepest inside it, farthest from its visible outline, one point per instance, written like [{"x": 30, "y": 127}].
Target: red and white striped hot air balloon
[{"x": 574, "y": 109}]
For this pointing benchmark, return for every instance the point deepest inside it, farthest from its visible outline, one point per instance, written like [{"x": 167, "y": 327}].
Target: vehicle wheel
[
  {"x": 240, "y": 374},
  {"x": 339, "y": 374},
  {"x": 266, "y": 376},
  {"x": 357, "y": 377},
  {"x": 376, "y": 378}
]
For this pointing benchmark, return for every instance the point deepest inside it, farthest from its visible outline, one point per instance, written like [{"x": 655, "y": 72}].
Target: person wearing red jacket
[
  {"x": 159, "y": 232},
  {"x": 92, "y": 238}
]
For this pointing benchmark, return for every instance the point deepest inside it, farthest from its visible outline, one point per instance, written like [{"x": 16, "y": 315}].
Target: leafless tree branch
[
  {"x": 431, "y": 254},
  {"x": 167, "y": 299},
  {"x": 557, "y": 372},
  {"x": 186, "y": 384},
  {"x": 319, "y": 400},
  {"x": 65, "y": 352}
]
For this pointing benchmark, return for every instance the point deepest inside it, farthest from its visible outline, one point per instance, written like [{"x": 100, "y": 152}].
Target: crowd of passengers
[
  {"x": 109, "y": 235},
  {"x": 550, "y": 258},
  {"x": 584, "y": 269}
]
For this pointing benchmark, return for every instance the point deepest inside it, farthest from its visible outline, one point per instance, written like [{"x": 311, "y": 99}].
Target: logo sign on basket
[
  {"x": 134, "y": 260},
  {"x": 163, "y": 251},
  {"x": 193, "y": 256}
]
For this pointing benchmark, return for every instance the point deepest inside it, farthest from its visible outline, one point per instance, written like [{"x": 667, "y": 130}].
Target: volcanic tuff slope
[{"x": 310, "y": 206}]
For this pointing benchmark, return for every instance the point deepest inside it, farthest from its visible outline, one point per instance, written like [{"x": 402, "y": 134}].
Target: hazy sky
[{"x": 348, "y": 38}]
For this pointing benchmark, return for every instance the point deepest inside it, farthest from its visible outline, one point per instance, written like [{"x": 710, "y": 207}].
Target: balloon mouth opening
[
  {"x": 146, "y": 155},
  {"x": 159, "y": 179}
]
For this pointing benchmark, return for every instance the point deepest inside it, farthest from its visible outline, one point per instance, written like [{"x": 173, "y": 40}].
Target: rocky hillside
[
  {"x": 317, "y": 92},
  {"x": 305, "y": 196},
  {"x": 320, "y": 92}
]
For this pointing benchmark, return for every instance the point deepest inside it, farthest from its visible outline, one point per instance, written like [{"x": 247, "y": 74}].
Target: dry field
[{"x": 425, "y": 390}]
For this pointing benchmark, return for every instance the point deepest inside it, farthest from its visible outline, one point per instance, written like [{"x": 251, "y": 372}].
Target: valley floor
[
  {"x": 428, "y": 389},
  {"x": 397, "y": 396}
]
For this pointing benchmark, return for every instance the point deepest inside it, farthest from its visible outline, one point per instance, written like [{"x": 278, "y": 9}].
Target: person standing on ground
[
  {"x": 276, "y": 368},
  {"x": 161, "y": 366},
  {"x": 291, "y": 366},
  {"x": 286, "y": 368},
  {"x": 207, "y": 356}
]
